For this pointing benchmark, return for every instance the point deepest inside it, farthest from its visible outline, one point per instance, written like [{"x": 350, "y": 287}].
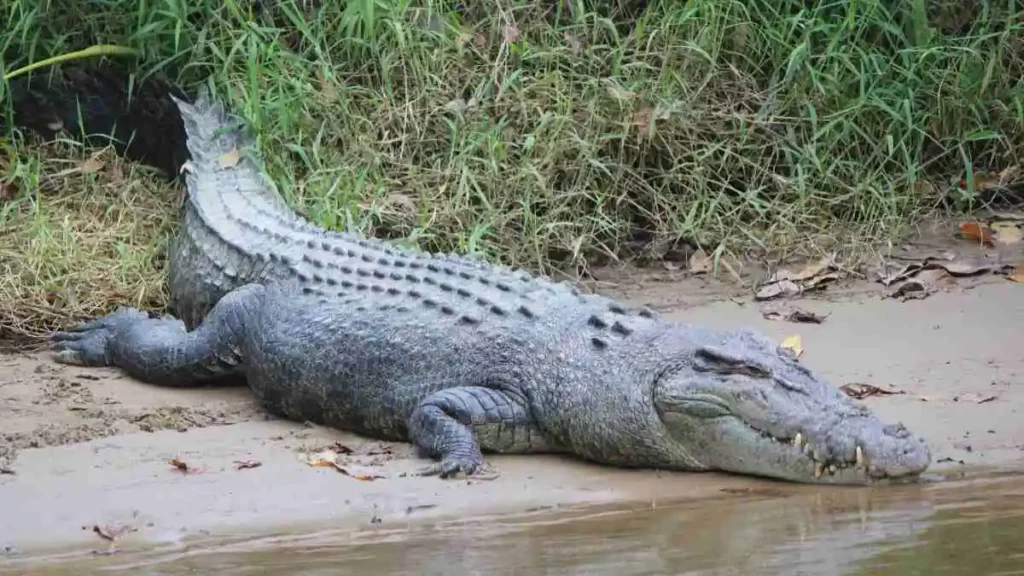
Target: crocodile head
[{"x": 744, "y": 405}]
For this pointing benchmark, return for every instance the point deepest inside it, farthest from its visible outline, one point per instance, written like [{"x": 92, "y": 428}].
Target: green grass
[{"x": 552, "y": 133}]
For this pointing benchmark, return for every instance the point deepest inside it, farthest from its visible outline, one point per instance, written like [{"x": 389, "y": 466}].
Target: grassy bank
[{"x": 555, "y": 133}]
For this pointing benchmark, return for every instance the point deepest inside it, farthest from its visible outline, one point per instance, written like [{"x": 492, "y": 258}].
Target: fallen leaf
[
  {"x": 700, "y": 262},
  {"x": 785, "y": 283},
  {"x": 510, "y": 33},
  {"x": 229, "y": 159},
  {"x": 1006, "y": 233},
  {"x": 776, "y": 289},
  {"x": 798, "y": 316},
  {"x": 359, "y": 472},
  {"x": 811, "y": 270},
  {"x": 341, "y": 448},
  {"x": 977, "y": 232},
  {"x": 795, "y": 344},
  {"x": 323, "y": 458},
  {"x": 859, "y": 391},
  {"x": 643, "y": 119},
  {"x": 183, "y": 467},
  {"x": 8, "y": 190},
  {"x": 245, "y": 464},
  {"x": 965, "y": 267},
  {"x": 923, "y": 285},
  {"x": 91, "y": 166},
  {"x": 890, "y": 274},
  {"x": 1016, "y": 276},
  {"x": 805, "y": 317},
  {"x": 329, "y": 459}
]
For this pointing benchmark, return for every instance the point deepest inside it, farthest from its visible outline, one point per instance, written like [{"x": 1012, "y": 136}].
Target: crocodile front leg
[
  {"x": 456, "y": 424},
  {"x": 160, "y": 350}
]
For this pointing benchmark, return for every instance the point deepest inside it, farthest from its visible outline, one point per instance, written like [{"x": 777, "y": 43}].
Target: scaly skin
[{"x": 462, "y": 358}]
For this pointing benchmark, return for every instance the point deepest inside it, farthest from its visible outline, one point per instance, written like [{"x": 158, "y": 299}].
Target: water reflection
[{"x": 947, "y": 528}]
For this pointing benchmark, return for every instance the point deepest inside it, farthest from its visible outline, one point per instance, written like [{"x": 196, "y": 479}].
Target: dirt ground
[{"x": 86, "y": 453}]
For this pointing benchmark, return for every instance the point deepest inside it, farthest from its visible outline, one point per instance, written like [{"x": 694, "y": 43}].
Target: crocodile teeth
[
  {"x": 798, "y": 440},
  {"x": 819, "y": 469},
  {"x": 860, "y": 456}
]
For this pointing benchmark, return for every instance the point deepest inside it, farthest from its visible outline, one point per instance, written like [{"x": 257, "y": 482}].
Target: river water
[{"x": 968, "y": 526}]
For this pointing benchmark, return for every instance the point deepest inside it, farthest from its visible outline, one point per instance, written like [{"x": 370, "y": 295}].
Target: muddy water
[{"x": 952, "y": 527}]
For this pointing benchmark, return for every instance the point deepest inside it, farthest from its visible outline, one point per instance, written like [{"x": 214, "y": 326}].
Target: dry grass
[
  {"x": 86, "y": 232},
  {"x": 540, "y": 134}
]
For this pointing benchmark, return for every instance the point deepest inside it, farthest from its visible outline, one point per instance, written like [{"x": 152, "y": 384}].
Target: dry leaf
[
  {"x": 246, "y": 464},
  {"x": 510, "y": 33},
  {"x": 977, "y": 232},
  {"x": 1006, "y": 233},
  {"x": 700, "y": 262},
  {"x": 923, "y": 285},
  {"x": 323, "y": 458},
  {"x": 859, "y": 391},
  {"x": 795, "y": 344},
  {"x": 643, "y": 119},
  {"x": 183, "y": 467},
  {"x": 809, "y": 271},
  {"x": 329, "y": 459},
  {"x": 8, "y": 190},
  {"x": 798, "y": 316},
  {"x": 805, "y": 317},
  {"x": 359, "y": 472},
  {"x": 1016, "y": 276},
  {"x": 776, "y": 289},
  {"x": 91, "y": 166},
  {"x": 812, "y": 277},
  {"x": 229, "y": 159}
]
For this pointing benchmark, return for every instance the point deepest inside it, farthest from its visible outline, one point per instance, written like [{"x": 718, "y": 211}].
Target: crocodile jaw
[{"x": 744, "y": 406}]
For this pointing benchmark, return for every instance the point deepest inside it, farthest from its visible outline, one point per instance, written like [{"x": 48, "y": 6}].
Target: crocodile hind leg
[
  {"x": 160, "y": 350},
  {"x": 455, "y": 425}
]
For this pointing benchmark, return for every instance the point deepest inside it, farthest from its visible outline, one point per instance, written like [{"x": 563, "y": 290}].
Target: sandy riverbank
[{"x": 93, "y": 447}]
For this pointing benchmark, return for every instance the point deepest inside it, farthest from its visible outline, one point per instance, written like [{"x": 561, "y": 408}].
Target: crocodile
[{"x": 461, "y": 357}]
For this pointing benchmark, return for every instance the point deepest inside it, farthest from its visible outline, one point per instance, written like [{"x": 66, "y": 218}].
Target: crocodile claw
[
  {"x": 460, "y": 468},
  {"x": 86, "y": 344}
]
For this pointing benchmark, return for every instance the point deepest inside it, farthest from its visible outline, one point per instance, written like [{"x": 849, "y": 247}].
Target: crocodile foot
[
  {"x": 465, "y": 467},
  {"x": 87, "y": 343}
]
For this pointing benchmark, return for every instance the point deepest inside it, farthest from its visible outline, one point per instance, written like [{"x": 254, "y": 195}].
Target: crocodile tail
[
  {"x": 103, "y": 104},
  {"x": 224, "y": 160}
]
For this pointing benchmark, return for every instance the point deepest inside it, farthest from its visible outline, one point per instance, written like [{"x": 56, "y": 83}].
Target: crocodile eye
[{"x": 715, "y": 359}]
